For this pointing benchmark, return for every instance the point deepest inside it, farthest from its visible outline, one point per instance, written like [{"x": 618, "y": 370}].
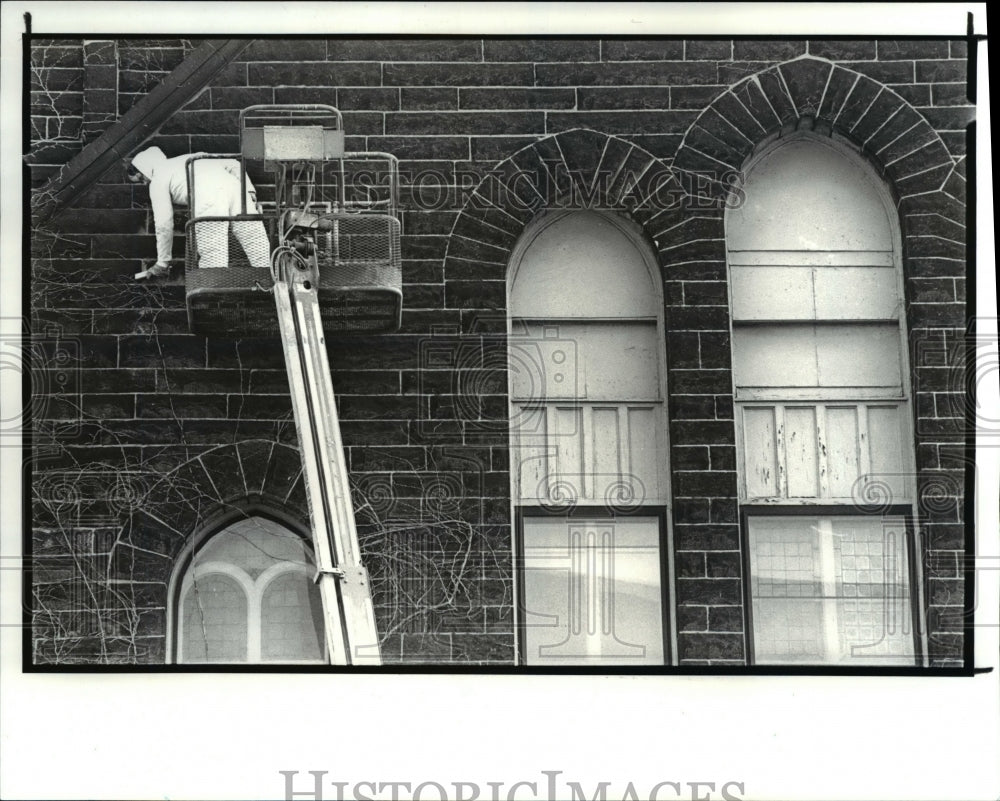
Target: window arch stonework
[
  {"x": 593, "y": 170},
  {"x": 823, "y": 410},
  {"x": 928, "y": 188},
  {"x": 209, "y": 491}
]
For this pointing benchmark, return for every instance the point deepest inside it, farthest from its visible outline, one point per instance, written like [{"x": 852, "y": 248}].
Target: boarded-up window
[
  {"x": 822, "y": 405},
  {"x": 818, "y": 348},
  {"x": 589, "y": 442}
]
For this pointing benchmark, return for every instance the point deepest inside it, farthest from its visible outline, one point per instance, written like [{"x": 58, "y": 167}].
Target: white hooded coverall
[{"x": 216, "y": 194}]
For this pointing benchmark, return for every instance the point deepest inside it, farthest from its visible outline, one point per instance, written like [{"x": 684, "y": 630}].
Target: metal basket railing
[
  {"x": 291, "y": 133},
  {"x": 359, "y": 281},
  {"x": 362, "y": 183}
]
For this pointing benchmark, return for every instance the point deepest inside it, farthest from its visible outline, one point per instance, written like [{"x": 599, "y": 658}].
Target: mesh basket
[
  {"x": 355, "y": 250},
  {"x": 359, "y": 283},
  {"x": 243, "y": 241}
]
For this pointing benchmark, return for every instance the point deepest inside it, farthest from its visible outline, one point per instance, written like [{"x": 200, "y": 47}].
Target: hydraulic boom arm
[{"x": 351, "y": 635}]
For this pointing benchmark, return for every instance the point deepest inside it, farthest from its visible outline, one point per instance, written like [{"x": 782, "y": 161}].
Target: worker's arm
[{"x": 163, "y": 220}]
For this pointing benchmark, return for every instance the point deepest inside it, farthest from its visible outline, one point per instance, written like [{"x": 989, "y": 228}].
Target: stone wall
[{"x": 145, "y": 433}]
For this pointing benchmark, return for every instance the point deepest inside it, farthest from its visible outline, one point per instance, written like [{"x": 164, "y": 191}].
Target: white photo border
[{"x": 228, "y": 736}]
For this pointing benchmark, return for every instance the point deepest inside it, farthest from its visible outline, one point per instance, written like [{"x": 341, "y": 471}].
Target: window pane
[
  {"x": 801, "y": 452},
  {"x": 760, "y": 449},
  {"x": 593, "y": 453},
  {"x": 843, "y": 445},
  {"x": 887, "y": 453},
  {"x": 247, "y": 598},
  {"x": 830, "y": 590},
  {"x": 215, "y": 620},
  {"x": 874, "y": 293},
  {"x": 253, "y": 545},
  {"x": 291, "y": 619},
  {"x": 874, "y": 610},
  {"x": 592, "y": 592},
  {"x": 838, "y": 451},
  {"x": 770, "y": 292},
  {"x": 646, "y": 467}
]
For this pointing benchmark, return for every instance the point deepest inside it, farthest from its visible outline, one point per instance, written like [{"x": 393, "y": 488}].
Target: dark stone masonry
[{"x": 144, "y": 433}]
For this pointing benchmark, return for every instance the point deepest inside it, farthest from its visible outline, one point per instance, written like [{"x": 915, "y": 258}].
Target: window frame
[
  {"x": 826, "y": 506},
  {"x": 215, "y": 524},
  {"x": 254, "y": 589},
  {"x": 902, "y": 511},
  {"x": 663, "y": 512}
]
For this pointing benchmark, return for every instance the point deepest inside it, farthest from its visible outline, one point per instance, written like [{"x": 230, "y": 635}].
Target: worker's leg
[
  {"x": 213, "y": 243},
  {"x": 251, "y": 234},
  {"x": 213, "y": 189},
  {"x": 253, "y": 237}
]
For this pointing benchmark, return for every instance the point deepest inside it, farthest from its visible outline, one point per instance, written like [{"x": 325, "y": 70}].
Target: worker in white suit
[{"x": 216, "y": 194}]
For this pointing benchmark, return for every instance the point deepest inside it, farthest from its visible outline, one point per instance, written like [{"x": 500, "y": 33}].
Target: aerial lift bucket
[{"x": 342, "y": 206}]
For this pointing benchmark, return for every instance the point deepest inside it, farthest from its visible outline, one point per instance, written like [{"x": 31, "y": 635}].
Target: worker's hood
[{"x": 148, "y": 160}]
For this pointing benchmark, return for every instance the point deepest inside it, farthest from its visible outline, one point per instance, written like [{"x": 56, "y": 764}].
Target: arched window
[
  {"x": 247, "y": 595},
  {"x": 589, "y": 439},
  {"x": 823, "y": 409}
]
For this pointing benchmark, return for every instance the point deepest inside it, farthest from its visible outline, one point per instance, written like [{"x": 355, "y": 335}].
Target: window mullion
[
  {"x": 254, "y": 622},
  {"x": 828, "y": 574}
]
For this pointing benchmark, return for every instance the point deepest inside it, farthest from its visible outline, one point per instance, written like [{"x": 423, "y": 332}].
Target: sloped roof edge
[{"x": 138, "y": 124}]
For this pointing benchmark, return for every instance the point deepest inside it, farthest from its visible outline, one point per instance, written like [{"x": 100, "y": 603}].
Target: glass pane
[
  {"x": 291, "y": 619},
  {"x": 786, "y": 585},
  {"x": 830, "y": 590},
  {"x": 253, "y": 545},
  {"x": 874, "y": 610},
  {"x": 250, "y": 598},
  {"x": 592, "y": 592},
  {"x": 214, "y": 626}
]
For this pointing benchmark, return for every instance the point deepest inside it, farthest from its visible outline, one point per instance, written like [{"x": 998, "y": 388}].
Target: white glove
[{"x": 158, "y": 270}]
